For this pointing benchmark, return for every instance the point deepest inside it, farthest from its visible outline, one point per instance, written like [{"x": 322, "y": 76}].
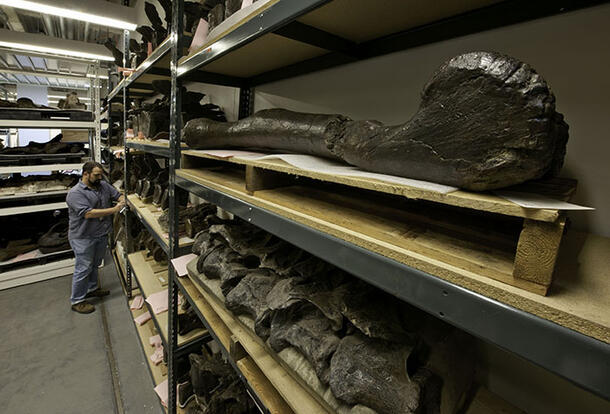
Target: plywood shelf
[
  {"x": 148, "y": 282},
  {"x": 144, "y": 332},
  {"x": 582, "y": 305},
  {"x": 149, "y": 215}
]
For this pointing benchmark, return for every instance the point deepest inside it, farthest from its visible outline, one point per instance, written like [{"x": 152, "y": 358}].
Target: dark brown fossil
[{"x": 486, "y": 121}]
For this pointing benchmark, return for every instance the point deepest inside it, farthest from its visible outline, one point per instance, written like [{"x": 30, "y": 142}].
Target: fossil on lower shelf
[{"x": 366, "y": 348}]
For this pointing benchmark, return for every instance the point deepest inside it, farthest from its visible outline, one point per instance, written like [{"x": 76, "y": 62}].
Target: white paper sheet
[
  {"x": 162, "y": 391},
  {"x": 143, "y": 318},
  {"x": 530, "y": 200},
  {"x": 155, "y": 341},
  {"x": 158, "y": 302},
  {"x": 322, "y": 165},
  {"x": 137, "y": 303},
  {"x": 181, "y": 262}
]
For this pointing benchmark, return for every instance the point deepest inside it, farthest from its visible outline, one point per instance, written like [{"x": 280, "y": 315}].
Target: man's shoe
[
  {"x": 97, "y": 293},
  {"x": 83, "y": 307}
]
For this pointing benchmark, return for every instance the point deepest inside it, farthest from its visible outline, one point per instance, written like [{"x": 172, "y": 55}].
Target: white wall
[
  {"x": 570, "y": 51},
  {"x": 224, "y": 96},
  {"x": 38, "y": 95}
]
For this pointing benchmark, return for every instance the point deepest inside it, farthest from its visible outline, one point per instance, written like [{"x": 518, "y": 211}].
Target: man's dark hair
[{"x": 90, "y": 165}]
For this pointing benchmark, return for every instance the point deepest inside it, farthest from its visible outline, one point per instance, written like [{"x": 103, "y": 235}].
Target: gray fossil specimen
[
  {"x": 375, "y": 373},
  {"x": 486, "y": 121},
  {"x": 250, "y": 297},
  {"x": 309, "y": 331}
]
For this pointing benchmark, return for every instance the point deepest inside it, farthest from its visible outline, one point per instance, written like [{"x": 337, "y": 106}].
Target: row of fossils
[
  {"x": 152, "y": 119},
  {"x": 213, "y": 11},
  {"x": 374, "y": 352}
]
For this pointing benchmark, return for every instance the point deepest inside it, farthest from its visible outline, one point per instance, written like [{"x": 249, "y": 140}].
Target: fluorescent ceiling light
[
  {"x": 92, "y": 75},
  {"x": 53, "y": 51},
  {"x": 63, "y": 97},
  {"x": 69, "y": 13}
]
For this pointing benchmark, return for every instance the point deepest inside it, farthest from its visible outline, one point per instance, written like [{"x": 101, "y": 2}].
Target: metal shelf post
[{"x": 175, "y": 115}]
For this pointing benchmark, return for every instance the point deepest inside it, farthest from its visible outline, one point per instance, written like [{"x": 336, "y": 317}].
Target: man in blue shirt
[{"x": 90, "y": 210}]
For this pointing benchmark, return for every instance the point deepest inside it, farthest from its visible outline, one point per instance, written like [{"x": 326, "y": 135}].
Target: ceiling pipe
[{"x": 86, "y": 32}]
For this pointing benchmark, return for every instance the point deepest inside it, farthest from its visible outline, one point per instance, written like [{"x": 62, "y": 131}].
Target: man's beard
[{"x": 95, "y": 183}]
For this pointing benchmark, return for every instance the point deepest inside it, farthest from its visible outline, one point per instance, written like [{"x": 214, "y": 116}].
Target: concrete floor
[{"x": 55, "y": 360}]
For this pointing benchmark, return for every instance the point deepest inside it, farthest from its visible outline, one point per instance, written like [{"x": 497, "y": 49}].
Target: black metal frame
[
  {"x": 579, "y": 358},
  {"x": 582, "y": 360}
]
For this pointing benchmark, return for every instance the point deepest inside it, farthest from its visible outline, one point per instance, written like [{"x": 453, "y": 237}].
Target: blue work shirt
[{"x": 82, "y": 199}]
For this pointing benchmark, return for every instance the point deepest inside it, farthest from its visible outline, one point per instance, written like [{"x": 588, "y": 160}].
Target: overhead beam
[
  {"x": 13, "y": 19},
  {"x": 201, "y": 76},
  {"x": 315, "y": 37}
]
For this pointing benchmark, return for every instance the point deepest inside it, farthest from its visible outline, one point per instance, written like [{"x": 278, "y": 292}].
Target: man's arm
[{"x": 103, "y": 212}]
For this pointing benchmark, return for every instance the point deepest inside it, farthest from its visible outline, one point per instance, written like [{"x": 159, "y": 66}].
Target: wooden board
[
  {"x": 485, "y": 402},
  {"x": 257, "y": 380},
  {"x": 144, "y": 333},
  {"x": 150, "y": 284},
  {"x": 299, "y": 399},
  {"x": 361, "y": 20},
  {"x": 580, "y": 295},
  {"x": 151, "y": 217},
  {"x": 160, "y": 144},
  {"x": 477, "y": 201}
]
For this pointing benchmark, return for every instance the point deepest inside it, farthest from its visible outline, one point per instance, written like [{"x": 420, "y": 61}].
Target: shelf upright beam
[
  {"x": 175, "y": 115},
  {"x": 246, "y": 101},
  {"x": 125, "y": 163},
  {"x": 96, "y": 150}
]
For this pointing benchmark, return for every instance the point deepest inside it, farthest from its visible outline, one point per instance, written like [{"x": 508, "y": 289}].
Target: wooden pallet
[{"x": 478, "y": 232}]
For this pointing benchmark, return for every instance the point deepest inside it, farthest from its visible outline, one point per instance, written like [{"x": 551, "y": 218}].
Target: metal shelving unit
[
  {"x": 288, "y": 38},
  {"x": 56, "y": 264},
  {"x": 579, "y": 358}
]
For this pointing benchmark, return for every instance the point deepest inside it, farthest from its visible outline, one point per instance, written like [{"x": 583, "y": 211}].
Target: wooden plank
[
  {"x": 150, "y": 284},
  {"x": 537, "y": 251},
  {"x": 361, "y": 21},
  {"x": 257, "y": 380},
  {"x": 160, "y": 143},
  {"x": 152, "y": 219},
  {"x": 236, "y": 350},
  {"x": 579, "y": 295},
  {"x": 476, "y": 201},
  {"x": 144, "y": 332},
  {"x": 262, "y": 179},
  {"x": 261, "y": 386},
  {"x": 485, "y": 402}
]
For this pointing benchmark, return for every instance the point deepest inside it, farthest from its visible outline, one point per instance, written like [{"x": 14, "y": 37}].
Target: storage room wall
[{"x": 570, "y": 51}]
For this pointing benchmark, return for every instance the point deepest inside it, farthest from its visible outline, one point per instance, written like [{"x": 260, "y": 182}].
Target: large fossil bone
[
  {"x": 375, "y": 373},
  {"x": 485, "y": 121}
]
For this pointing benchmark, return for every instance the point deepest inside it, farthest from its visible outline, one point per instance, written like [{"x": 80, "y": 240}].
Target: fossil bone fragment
[
  {"x": 485, "y": 121},
  {"x": 250, "y": 297},
  {"x": 375, "y": 373}
]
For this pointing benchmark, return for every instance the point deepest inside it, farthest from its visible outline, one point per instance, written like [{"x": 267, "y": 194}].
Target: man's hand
[{"x": 119, "y": 206}]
